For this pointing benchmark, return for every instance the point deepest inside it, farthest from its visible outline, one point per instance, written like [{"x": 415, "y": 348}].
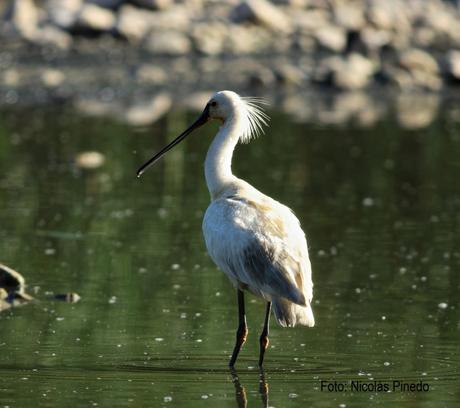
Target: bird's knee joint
[
  {"x": 264, "y": 342},
  {"x": 242, "y": 333}
]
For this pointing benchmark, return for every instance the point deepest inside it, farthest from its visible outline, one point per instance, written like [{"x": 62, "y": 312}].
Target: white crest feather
[{"x": 255, "y": 118}]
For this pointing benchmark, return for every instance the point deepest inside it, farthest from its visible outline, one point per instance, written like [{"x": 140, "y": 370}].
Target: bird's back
[{"x": 259, "y": 244}]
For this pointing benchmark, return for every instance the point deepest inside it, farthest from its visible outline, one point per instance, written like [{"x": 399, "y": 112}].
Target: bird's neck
[{"x": 218, "y": 163}]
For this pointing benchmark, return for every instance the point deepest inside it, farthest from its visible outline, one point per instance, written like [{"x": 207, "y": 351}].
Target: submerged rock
[{"x": 89, "y": 160}]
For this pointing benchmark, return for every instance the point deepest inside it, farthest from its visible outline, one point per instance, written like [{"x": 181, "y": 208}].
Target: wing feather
[{"x": 260, "y": 246}]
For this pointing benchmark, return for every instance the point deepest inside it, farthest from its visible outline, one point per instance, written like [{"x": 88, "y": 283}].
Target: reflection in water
[{"x": 240, "y": 392}]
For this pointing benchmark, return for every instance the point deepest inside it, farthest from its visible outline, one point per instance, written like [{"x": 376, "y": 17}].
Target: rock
[
  {"x": 209, "y": 38},
  {"x": 95, "y": 18},
  {"x": 148, "y": 112},
  {"x": 374, "y": 39},
  {"x": 89, "y": 160},
  {"x": 453, "y": 64},
  {"x": 24, "y": 17},
  {"x": 50, "y": 35},
  {"x": 349, "y": 16},
  {"x": 416, "y": 111},
  {"x": 352, "y": 72},
  {"x": 10, "y": 77},
  {"x": 261, "y": 12},
  {"x": 154, "y": 4},
  {"x": 151, "y": 74},
  {"x": 332, "y": 38},
  {"x": 132, "y": 23},
  {"x": 309, "y": 21},
  {"x": 93, "y": 106},
  {"x": 52, "y": 78},
  {"x": 168, "y": 43},
  {"x": 63, "y": 13},
  {"x": 381, "y": 14},
  {"x": 244, "y": 40},
  {"x": 416, "y": 59},
  {"x": 418, "y": 69},
  {"x": 355, "y": 72},
  {"x": 289, "y": 74}
]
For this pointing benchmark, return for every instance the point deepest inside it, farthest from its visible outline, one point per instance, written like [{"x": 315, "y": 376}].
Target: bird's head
[{"x": 223, "y": 106}]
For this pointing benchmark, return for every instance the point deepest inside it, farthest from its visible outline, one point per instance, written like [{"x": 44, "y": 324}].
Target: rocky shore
[{"x": 135, "y": 58}]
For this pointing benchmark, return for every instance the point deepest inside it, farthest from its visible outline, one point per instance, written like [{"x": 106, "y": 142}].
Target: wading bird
[{"x": 256, "y": 241}]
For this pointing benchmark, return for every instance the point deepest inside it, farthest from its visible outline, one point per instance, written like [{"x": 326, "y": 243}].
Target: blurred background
[
  {"x": 134, "y": 59},
  {"x": 363, "y": 144}
]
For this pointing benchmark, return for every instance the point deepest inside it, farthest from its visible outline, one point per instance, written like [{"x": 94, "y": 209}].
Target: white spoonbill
[{"x": 256, "y": 241}]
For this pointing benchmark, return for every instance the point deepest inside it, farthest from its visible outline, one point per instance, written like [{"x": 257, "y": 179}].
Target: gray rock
[
  {"x": 416, "y": 59},
  {"x": 63, "y": 13},
  {"x": 154, "y": 4},
  {"x": 261, "y": 12},
  {"x": 332, "y": 38},
  {"x": 148, "y": 112},
  {"x": 93, "y": 17},
  {"x": 168, "y": 43}
]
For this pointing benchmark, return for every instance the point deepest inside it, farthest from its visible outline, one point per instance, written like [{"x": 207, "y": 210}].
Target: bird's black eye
[{"x": 213, "y": 104}]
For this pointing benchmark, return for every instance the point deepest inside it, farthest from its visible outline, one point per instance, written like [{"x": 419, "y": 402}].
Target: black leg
[
  {"x": 264, "y": 336},
  {"x": 242, "y": 331}
]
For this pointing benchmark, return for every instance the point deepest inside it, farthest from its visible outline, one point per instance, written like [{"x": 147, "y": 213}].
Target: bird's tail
[{"x": 289, "y": 314}]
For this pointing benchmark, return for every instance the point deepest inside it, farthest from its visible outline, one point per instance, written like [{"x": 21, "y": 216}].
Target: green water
[{"x": 157, "y": 320}]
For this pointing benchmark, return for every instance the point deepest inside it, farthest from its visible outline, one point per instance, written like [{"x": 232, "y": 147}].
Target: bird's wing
[{"x": 261, "y": 246}]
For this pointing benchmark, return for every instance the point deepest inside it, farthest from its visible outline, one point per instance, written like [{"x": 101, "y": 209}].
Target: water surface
[{"x": 157, "y": 320}]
